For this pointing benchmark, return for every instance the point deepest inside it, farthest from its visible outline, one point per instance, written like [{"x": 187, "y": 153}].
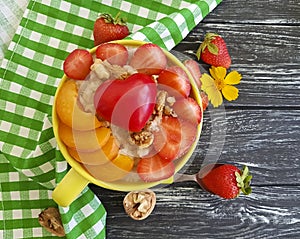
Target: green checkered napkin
[
  {"x": 10, "y": 15},
  {"x": 31, "y": 164}
]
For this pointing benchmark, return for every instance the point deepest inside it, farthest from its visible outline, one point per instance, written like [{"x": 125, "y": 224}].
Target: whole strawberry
[
  {"x": 213, "y": 51},
  {"x": 227, "y": 181},
  {"x": 107, "y": 28}
]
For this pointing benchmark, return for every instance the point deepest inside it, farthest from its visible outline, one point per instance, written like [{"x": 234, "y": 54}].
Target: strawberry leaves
[
  {"x": 243, "y": 180},
  {"x": 117, "y": 20},
  {"x": 207, "y": 43}
]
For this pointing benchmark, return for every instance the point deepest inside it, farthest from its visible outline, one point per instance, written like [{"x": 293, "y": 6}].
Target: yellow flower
[{"x": 220, "y": 82}]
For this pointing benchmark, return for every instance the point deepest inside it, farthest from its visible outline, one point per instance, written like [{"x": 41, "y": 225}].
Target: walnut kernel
[
  {"x": 51, "y": 221},
  {"x": 139, "y": 204}
]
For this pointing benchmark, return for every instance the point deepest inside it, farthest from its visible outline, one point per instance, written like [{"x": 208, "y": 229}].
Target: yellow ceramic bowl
[{"x": 77, "y": 178}]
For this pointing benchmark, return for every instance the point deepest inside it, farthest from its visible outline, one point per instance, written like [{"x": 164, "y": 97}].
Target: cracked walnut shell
[
  {"x": 51, "y": 221},
  {"x": 139, "y": 204}
]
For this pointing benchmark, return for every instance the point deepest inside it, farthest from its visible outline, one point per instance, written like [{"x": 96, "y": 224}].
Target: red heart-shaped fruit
[{"x": 127, "y": 103}]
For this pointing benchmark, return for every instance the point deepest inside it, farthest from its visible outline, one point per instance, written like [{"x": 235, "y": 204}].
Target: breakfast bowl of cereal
[{"x": 127, "y": 115}]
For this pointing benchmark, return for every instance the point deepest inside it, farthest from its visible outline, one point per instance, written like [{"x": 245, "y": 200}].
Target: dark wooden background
[{"x": 262, "y": 131}]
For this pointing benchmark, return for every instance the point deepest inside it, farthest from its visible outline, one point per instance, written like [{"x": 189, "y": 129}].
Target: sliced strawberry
[
  {"x": 168, "y": 139},
  {"x": 188, "y": 109},
  {"x": 114, "y": 53},
  {"x": 77, "y": 64},
  {"x": 194, "y": 69},
  {"x": 189, "y": 132},
  {"x": 171, "y": 80},
  {"x": 174, "y": 138},
  {"x": 149, "y": 59},
  {"x": 204, "y": 99},
  {"x": 155, "y": 169},
  {"x": 178, "y": 70}
]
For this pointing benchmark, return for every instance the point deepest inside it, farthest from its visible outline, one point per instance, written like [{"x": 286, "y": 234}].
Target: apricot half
[
  {"x": 88, "y": 141},
  {"x": 104, "y": 155},
  {"x": 118, "y": 168},
  {"x": 69, "y": 112}
]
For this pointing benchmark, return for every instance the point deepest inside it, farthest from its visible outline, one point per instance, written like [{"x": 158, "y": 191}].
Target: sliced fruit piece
[
  {"x": 127, "y": 103},
  {"x": 114, "y": 53},
  {"x": 108, "y": 152},
  {"x": 77, "y": 64},
  {"x": 169, "y": 80},
  {"x": 69, "y": 111},
  {"x": 97, "y": 157},
  {"x": 188, "y": 109},
  {"x": 194, "y": 69},
  {"x": 155, "y": 169},
  {"x": 168, "y": 139},
  {"x": 111, "y": 148},
  {"x": 84, "y": 140},
  {"x": 188, "y": 136},
  {"x": 123, "y": 162},
  {"x": 204, "y": 99},
  {"x": 178, "y": 70},
  {"x": 174, "y": 138},
  {"x": 112, "y": 171},
  {"x": 149, "y": 59}
]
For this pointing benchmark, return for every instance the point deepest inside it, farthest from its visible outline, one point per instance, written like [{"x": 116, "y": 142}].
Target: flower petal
[
  {"x": 216, "y": 99},
  {"x": 207, "y": 81},
  {"x": 233, "y": 78},
  {"x": 230, "y": 92},
  {"x": 208, "y": 85},
  {"x": 218, "y": 72}
]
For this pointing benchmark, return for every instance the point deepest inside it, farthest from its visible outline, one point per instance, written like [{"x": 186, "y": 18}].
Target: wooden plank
[
  {"x": 265, "y": 140},
  {"x": 267, "y": 81},
  {"x": 185, "y": 211},
  {"x": 256, "y": 11}
]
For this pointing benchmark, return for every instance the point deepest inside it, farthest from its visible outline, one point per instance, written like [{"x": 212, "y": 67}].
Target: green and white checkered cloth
[{"x": 30, "y": 163}]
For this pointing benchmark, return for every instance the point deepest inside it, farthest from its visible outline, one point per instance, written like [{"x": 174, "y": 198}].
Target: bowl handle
[{"x": 69, "y": 188}]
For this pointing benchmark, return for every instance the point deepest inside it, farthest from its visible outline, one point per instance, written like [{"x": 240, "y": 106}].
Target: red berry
[
  {"x": 167, "y": 140},
  {"x": 174, "y": 82},
  {"x": 213, "y": 51},
  {"x": 107, "y": 28},
  {"x": 188, "y": 136},
  {"x": 174, "y": 137},
  {"x": 194, "y": 69},
  {"x": 179, "y": 71},
  {"x": 77, "y": 64},
  {"x": 115, "y": 54},
  {"x": 227, "y": 181},
  {"x": 204, "y": 99},
  {"x": 149, "y": 59},
  {"x": 188, "y": 109},
  {"x": 155, "y": 169}
]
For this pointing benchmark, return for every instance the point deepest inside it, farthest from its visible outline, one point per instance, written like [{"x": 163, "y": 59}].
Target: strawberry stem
[
  {"x": 116, "y": 20},
  {"x": 243, "y": 180},
  {"x": 207, "y": 43}
]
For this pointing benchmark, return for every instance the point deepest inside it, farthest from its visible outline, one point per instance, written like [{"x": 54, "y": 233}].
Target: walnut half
[
  {"x": 139, "y": 204},
  {"x": 51, "y": 221}
]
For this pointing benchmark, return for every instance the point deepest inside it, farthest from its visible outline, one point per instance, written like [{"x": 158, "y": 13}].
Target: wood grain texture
[
  {"x": 261, "y": 129},
  {"x": 183, "y": 210},
  {"x": 267, "y": 57},
  {"x": 259, "y": 12}
]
